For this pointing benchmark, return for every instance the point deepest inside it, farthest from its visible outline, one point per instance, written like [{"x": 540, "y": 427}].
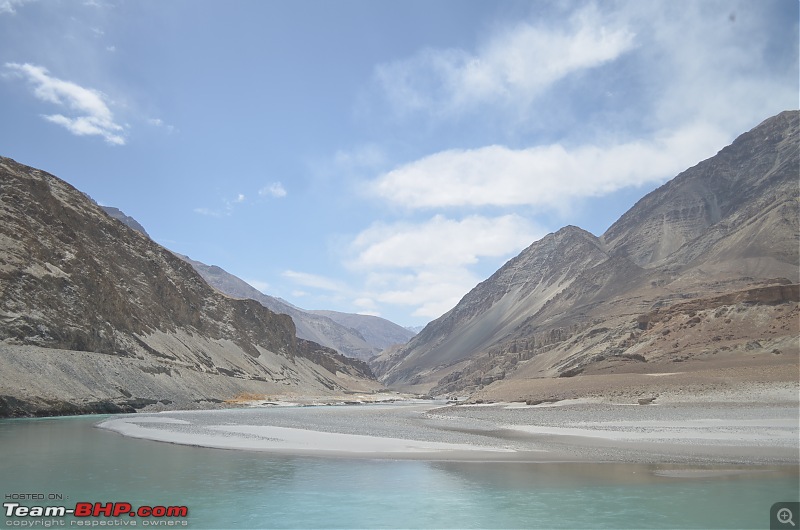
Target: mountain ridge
[
  {"x": 318, "y": 326},
  {"x": 358, "y": 336},
  {"x": 76, "y": 281},
  {"x": 728, "y": 224}
]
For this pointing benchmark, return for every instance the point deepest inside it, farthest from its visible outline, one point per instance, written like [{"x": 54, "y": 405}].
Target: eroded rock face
[
  {"x": 74, "y": 279},
  {"x": 727, "y": 227}
]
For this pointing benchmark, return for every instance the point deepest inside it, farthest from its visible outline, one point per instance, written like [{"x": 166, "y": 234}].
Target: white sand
[
  {"x": 698, "y": 433},
  {"x": 283, "y": 439}
]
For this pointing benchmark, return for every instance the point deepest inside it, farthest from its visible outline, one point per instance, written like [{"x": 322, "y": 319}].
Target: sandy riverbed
[{"x": 720, "y": 433}]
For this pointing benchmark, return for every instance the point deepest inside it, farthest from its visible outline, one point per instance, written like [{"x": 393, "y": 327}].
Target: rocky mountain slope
[
  {"x": 342, "y": 333},
  {"x": 358, "y": 336},
  {"x": 722, "y": 235},
  {"x": 96, "y": 316},
  {"x": 378, "y": 332}
]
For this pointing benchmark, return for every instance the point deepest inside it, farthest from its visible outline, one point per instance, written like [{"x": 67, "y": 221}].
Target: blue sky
[{"x": 381, "y": 157}]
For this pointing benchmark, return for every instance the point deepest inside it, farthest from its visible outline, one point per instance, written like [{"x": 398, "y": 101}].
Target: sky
[{"x": 381, "y": 157}]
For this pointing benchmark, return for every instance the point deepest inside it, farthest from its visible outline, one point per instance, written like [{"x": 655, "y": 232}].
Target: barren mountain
[
  {"x": 96, "y": 316},
  {"x": 358, "y": 336},
  {"x": 713, "y": 253},
  {"x": 127, "y": 220},
  {"x": 378, "y": 332}
]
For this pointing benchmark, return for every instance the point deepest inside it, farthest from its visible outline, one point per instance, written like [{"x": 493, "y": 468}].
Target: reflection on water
[{"x": 234, "y": 489}]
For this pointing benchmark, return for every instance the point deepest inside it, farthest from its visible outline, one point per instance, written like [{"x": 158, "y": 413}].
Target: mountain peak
[
  {"x": 688, "y": 205},
  {"x": 728, "y": 224}
]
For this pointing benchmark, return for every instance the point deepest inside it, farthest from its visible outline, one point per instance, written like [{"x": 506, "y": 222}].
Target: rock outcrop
[{"x": 95, "y": 314}]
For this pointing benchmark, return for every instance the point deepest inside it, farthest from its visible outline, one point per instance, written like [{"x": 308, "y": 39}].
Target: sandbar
[{"x": 714, "y": 434}]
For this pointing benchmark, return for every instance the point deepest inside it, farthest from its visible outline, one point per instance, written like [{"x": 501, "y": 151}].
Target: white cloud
[
  {"x": 91, "y": 113},
  {"x": 441, "y": 241},
  {"x": 694, "y": 80},
  {"x": 226, "y": 210},
  {"x": 697, "y": 62},
  {"x": 544, "y": 114},
  {"x": 313, "y": 280},
  {"x": 368, "y": 304},
  {"x": 158, "y": 122},
  {"x": 9, "y": 7},
  {"x": 545, "y": 176},
  {"x": 259, "y": 285},
  {"x": 431, "y": 291},
  {"x": 426, "y": 265},
  {"x": 275, "y": 190},
  {"x": 513, "y": 67},
  {"x": 210, "y": 213}
]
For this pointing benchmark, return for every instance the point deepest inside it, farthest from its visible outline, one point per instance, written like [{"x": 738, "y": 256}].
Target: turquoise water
[{"x": 231, "y": 489}]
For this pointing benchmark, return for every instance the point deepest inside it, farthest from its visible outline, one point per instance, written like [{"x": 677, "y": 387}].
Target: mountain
[
  {"x": 378, "y": 332},
  {"x": 127, "y": 220},
  {"x": 704, "y": 268},
  {"x": 358, "y": 336},
  {"x": 95, "y": 316}
]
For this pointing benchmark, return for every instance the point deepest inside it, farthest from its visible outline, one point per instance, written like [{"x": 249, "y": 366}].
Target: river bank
[{"x": 691, "y": 433}]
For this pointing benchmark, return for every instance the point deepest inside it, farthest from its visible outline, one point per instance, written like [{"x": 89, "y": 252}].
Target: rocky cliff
[
  {"x": 573, "y": 303},
  {"x": 95, "y": 315}
]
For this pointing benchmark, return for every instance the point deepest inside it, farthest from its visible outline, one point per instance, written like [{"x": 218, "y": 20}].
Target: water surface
[{"x": 236, "y": 489}]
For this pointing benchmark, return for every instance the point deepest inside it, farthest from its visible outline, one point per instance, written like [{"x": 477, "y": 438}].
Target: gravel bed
[{"x": 745, "y": 434}]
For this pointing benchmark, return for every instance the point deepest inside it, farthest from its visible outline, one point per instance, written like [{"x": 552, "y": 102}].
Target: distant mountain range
[
  {"x": 96, "y": 317},
  {"x": 720, "y": 237},
  {"x": 353, "y": 335},
  {"x": 702, "y": 273},
  {"x": 358, "y": 336}
]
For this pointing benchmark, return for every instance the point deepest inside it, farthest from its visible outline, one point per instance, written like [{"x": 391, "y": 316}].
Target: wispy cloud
[
  {"x": 9, "y": 7},
  {"x": 90, "y": 114},
  {"x": 259, "y": 285},
  {"x": 227, "y": 208},
  {"x": 229, "y": 205},
  {"x": 316, "y": 281},
  {"x": 159, "y": 123},
  {"x": 275, "y": 190},
  {"x": 210, "y": 212},
  {"x": 513, "y": 67},
  {"x": 547, "y": 112}
]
